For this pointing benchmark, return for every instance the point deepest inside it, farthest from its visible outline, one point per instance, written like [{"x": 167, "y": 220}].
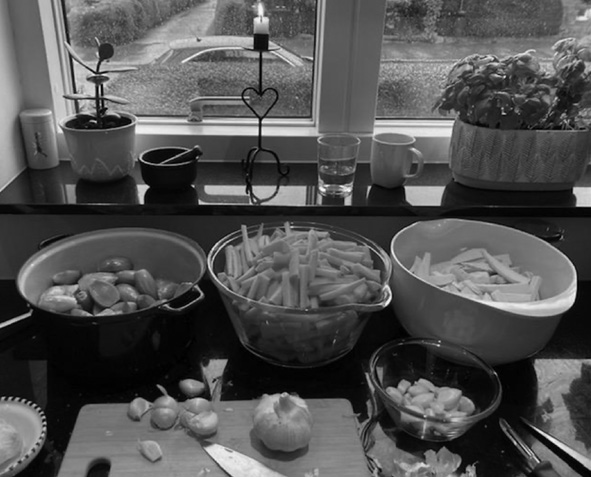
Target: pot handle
[
  {"x": 187, "y": 306},
  {"x": 48, "y": 241}
]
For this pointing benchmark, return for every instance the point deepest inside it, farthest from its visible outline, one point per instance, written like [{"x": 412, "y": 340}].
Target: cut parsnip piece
[
  {"x": 503, "y": 270},
  {"x": 478, "y": 274}
]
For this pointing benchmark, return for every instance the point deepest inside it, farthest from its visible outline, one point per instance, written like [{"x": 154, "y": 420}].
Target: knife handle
[{"x": 544, "y": 469}]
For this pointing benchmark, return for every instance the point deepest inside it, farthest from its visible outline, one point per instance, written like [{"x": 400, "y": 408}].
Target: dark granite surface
[
  {"x": 553, "y": 388},
  {"x": 220, "y": 189}
]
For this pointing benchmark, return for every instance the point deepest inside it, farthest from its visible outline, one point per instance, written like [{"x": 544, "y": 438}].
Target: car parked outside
[{"x": 226, "y": 48}]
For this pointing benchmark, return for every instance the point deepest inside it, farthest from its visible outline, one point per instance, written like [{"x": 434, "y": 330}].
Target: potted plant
[
  {"x": 101, "y": 143},
  {"x": 517, "y": 125}
]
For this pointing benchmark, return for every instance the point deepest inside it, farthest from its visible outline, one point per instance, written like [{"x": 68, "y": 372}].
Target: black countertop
[
  {"x": 552, "y": 389},
  {"x": 220, "y": 189}
]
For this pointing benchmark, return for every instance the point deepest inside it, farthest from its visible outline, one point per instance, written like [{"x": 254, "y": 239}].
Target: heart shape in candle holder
[{"x": 269, "y": 93}]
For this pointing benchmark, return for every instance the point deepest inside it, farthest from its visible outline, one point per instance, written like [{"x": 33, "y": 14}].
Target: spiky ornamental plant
[
  {"x": 516, "y": 93},
  {"x": 101, "y": 118}
]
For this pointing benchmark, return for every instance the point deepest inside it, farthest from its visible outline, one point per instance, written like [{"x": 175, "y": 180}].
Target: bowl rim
[
  {"x": 495, "y": 400},
  {"x": 536, "y": 309},
  {"x": 380, "y": 303}
]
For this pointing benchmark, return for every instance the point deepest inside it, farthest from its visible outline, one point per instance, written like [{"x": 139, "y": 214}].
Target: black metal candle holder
[{"x": 247, "y": 93}]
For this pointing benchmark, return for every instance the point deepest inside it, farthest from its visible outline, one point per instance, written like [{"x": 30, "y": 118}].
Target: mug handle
[{"x": 418, "y": 155}]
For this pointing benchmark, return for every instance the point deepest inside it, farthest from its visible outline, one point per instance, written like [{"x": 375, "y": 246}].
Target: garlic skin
[{"x": 283, "y": 422}]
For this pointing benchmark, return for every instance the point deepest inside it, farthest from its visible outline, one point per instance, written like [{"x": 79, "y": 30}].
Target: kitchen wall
[{"x": 11, "y": 148}]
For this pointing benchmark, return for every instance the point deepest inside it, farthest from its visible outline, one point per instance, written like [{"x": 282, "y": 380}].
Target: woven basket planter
[{"x": 518, "y": 159}]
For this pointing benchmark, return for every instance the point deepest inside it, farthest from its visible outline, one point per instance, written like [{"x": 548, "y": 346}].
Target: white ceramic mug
[{"x": 392, "y": 156}]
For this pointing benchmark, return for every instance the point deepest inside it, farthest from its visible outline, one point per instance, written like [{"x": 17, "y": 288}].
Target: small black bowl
[{"x": 167, "y": 176}]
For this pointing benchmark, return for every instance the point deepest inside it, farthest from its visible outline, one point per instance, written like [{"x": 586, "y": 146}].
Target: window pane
[
  {"x": 423, "y": 39},
  {"x": 185, "y": 49}
]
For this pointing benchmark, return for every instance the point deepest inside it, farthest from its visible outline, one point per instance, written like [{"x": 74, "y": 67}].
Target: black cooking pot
[{"x": 125, "y": 347}]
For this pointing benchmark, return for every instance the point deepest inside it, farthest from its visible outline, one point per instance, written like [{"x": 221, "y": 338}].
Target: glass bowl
[
  {"x": 305, "y": 335},
  {"x": 433, "y": 390}
]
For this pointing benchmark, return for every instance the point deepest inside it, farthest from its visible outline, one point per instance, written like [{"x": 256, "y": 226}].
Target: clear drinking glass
[{"x": 337, "y": 161}]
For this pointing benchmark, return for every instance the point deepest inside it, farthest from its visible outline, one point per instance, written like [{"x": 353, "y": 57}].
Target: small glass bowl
[
  {"x": 298, "y": 337},
  {"x": 445, "y": 366}
]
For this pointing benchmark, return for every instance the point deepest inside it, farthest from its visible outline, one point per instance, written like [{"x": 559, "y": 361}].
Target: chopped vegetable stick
[
  {"x": 479, "y": 277},
  {"x": 279, "y": 245},
  {"x": 511, "y": 297},
  {"x": 535, "y": 284},
  {"x": 234, "y": 285},
  {"x": 349, "y": 256},
  {"x": 339, "y": 244},
  {"x": 286, "y": 290},
  {"x": 275, "y": 293},
  {"x": 314, "y": 302},
  {"x": 251, "y": 272},
  {"x": 370, "y": 273},
  {"x": 281, "y": 260},
  {"x": 312, "y": 240},
  {"x": 263, "y": 285},
  {"x": 264, "y": 264},
  {"x": 313, "y": 263},
  {"x": 504, "y": 287},
  {"x": 294, "y": 265},
  {"x": 231, "y": 264},
  {"x": 303, "y": 292},
  {"x": 415, "y": 265},
  {"x": 254, "y": 246},
  {"x": 248, "y": 255},
  {"x": 504, "y": 270},
  {"x": 328, "y": 272},
  {"x": 346, "y": 288},
  {"x": 259, "y": 232},
  {"x": 472, "y": 287},
  {"x": 425, "y": 266},
  {"x": 441, "y": 279},
  {"x": 468, "y": 255},
  {"x": 252, "y": 291},
  {"x": 242, "y": 258}
]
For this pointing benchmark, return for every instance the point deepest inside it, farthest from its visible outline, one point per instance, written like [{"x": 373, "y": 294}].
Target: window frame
[{"x": 346, "y": 70}]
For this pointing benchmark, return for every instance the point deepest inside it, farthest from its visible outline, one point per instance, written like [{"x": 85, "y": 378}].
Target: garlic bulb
[{"x": 283, "y": 422}]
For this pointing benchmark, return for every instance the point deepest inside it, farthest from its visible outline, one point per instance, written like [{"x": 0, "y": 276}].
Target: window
[
  {"x": 197, "y": 49},
  {"x": 370, "y": 69}
]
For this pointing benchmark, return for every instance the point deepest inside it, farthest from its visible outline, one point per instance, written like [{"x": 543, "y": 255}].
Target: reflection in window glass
[
  {"x": 424, "y": 38},
  {"x": 194, "y": 48}
]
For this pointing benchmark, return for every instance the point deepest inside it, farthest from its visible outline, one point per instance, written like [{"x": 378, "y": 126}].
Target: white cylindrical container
[{"x": 38, "y": 130}]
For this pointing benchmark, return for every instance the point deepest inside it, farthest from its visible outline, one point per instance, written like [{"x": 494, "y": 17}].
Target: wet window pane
[
  {"x": 424, "y": 38},
  {"x": 185, "y": 49}
]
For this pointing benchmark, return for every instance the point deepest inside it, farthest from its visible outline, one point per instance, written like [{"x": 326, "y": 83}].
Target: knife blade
[
  {"x": 558, "y": 444},
  {"x": 237, "y": 464},
  {"x": 536, "y": 466}
]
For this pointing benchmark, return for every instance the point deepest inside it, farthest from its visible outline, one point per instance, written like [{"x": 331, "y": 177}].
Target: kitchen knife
[
  {"x": 237, "y": 464},
  {"x": 536, "y": 466}
]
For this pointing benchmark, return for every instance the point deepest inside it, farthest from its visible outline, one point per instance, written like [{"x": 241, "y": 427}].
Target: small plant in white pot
[
  {"x": 101, "y": 143},
  {"x": 517, "y": 125}
]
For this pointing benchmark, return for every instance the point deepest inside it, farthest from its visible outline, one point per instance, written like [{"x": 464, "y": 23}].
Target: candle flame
[{"x": 261, "y": 11}]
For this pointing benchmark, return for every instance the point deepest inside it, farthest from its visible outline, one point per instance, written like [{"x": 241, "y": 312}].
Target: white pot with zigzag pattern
[{"x": 534, "y": 160}]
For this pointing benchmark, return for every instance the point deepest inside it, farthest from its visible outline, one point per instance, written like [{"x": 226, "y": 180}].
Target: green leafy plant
[
  {"x": 517, "y": 93},
  {"x": 100, "y": 118}
]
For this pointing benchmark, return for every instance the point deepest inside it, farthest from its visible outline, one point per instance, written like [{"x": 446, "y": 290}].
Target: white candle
[{"x": 261, "y": 23}]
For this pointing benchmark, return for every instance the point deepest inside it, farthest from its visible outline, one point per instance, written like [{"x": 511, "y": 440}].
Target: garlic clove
[
  {"x": 137, "y": 408},
  {"x": 191, "y": 387},
  {"x": 163, "y": 417},
  {"x": 150, "y": 450},
  {"x": 203, "y": 424},
  {"x": 197, "y": 405}
]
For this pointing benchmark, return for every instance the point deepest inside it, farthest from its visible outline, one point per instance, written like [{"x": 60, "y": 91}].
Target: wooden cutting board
[{"x": 103, "y": 432}]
